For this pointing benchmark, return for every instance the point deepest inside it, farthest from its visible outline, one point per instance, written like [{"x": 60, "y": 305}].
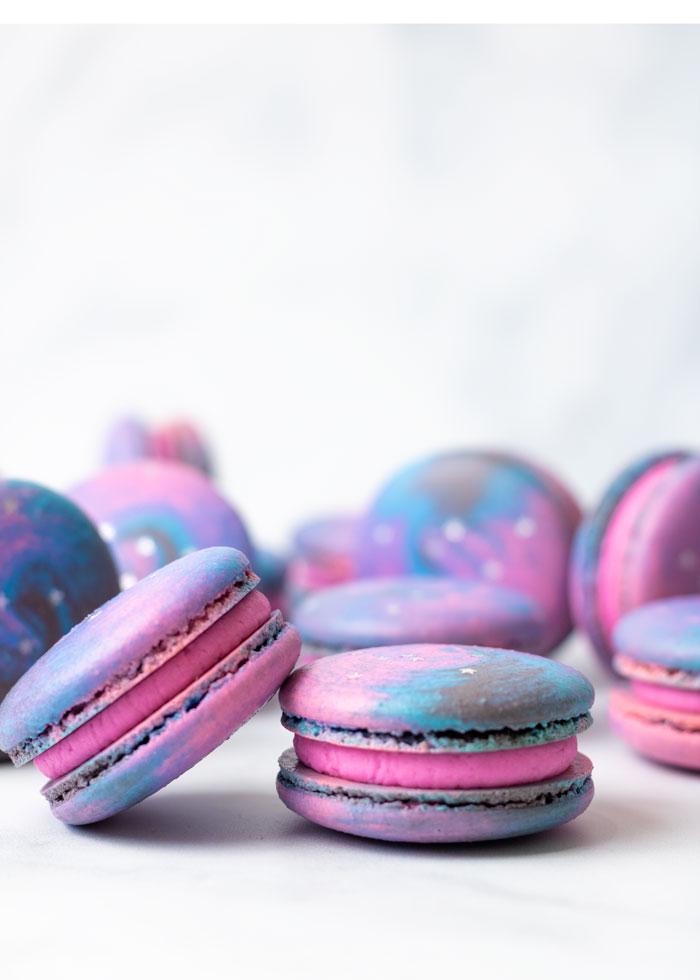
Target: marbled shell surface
[
  {"x": 663, "y": 553},
  {"x": 665, "y": 633},
  {"x": 181, "y": 442},
  {"x": 419, "y": 609},
  {"x": 477, "y": 515},
  {"x": 433, "y": 688},
  {"x": 121, "y": 641},
  {"x": 54, "y": 570},
  {"x": 152, "y": 512},
  {"x": 434, "y": 816}
]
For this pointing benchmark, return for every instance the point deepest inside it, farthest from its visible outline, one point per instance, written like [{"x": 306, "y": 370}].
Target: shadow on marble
[{"x": 197, "y": 819}]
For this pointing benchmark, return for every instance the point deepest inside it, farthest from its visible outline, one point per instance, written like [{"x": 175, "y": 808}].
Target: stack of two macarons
[
  {"x": 635, "y": 581},
  {"x": 466, "y": 548}
]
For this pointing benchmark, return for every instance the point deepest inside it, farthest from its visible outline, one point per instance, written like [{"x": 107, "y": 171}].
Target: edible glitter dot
[
  {"x": 4, "y": 601},
  {"x": 454, "y": 530},
  {"x": 492, "y": 569},
  {"x": 127, "y": 579},
  {"x": 26, "y": 647},
  {"x": 383, "y": 534},
  {"x": 146, "y": 546},
  {"x": 189, "y": 550},
  {"x": 107, "y": 531},
  {"x": 56, "y": 597},
  {"x": 525, "y": 527}
]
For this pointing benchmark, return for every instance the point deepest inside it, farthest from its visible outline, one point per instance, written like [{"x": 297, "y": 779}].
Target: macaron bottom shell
[
  {"x": 655, "y": 731},
  {"x": 414, "y": 815},
  {"x": 181, "y": 733}
]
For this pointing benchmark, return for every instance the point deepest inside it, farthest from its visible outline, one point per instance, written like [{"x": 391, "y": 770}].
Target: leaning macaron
[
  {"x": 151, "y": 512},
  {"x": 54, "y": 570},
  {"x": 641, "y": 543},
  {"x": 477, "y": 515},
  {"x": 657, "y": 647},
  {"x": 433, "y": 743},
  {"x": 417, "y": 609},
  {"x": 181, "y": 442},
  {"x": 148, "y": 685}
]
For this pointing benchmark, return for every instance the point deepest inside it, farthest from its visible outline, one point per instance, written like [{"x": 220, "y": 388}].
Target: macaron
[
  {"x": 477, "y": 515},
  {"x": 151, "y": 512},
  {"x": 272, "y": 569},
  {"x": 181, "y": 442},
  {"x": 130, "y": 439},
  {"x": 324, "y": 553},
  {"x": 657, "y": 647},
  {"x": 416, "y": 609},
  {"x": 148, "y": 685},
  {"x": 54, "y": 570},
  {"x": 641, "y": 543},
  {"x": 436, "y": 743}
]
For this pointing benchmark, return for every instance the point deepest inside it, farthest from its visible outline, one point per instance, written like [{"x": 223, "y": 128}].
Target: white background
[{"x": 339, "y": 249}]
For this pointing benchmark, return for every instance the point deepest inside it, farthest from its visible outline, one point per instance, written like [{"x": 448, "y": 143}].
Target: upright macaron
[
  {"x": 54, "y": 570},
  {"x": 477, "y": 515},
  {"x": 148, "y": 685},
  {"x": 641, "y": 543},
  {"x": 436, "y": 743},
  {"x": 417, "y": 609},
  {"x": 657, "y": 647},
  {"x": 151, "y": 512},
  {"x": 130, "y": 439}
]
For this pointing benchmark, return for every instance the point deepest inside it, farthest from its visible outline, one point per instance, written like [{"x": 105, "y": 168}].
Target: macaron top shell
[
  {"x": 665, "y": 633},
  {"x": 426, "y": 688},
  {"x": 416, "y": 609},
  {"x": 54, "y": 570},
  {"x": 151, "y": 512},
  {"x": 478, "y": 515},
  {"x": 119, "y": 644}
]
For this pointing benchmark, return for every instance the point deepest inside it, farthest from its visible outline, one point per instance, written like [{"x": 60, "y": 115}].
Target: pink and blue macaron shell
[
  {"x": 324, "y": 553},
  {"x": 143, "y": 652},
  {"x": 477, "y": 515},
  {"x": 151, "y": 512},
  {"x": 54, "y": 570},
  {"x": 417, "y": 609},
  {"x": 641, "y": 543},
  {"x": 181, "y": 442},
  {"x": 657, "y": 648},
  {"x": 432, "y": 743}
]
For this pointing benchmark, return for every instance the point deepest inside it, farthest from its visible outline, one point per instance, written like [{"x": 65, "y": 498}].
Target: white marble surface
[{"x": 213, "y": 877}]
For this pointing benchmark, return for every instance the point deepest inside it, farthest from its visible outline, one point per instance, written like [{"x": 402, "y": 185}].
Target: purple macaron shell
[
  {"x": 182, "y": 733},
  {"x": 127, "y": 440},
  {"x": 54, "y": 570},
  {"x": 662, "y": 554},
  {"x": 664, "y": 633},
  {"x": 151, "y": 512},
  {"x": 477, "y": 515},
  {"x": 434, "y": 816},
  {"x": 419, "y": 609},
  {"x": 117, "y": 645},
  {"x": 450, "y": 697}
]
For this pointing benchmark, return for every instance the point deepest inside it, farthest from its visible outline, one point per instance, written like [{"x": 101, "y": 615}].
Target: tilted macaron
[
  {"x": 54, "y": 570},
  {"x": 151, "y": 512},
  {"x": 477, "y": 515},
  {"x": 658, "y": 648},
  {"x": 641, "y": 543},
  {"x": 148, "y": 685},
  {"x": 181, "y": 442},
  {"x": 324, "y": 553},
  {"x": 417, "y": 609},
  {"x": 436, "y": 743}
]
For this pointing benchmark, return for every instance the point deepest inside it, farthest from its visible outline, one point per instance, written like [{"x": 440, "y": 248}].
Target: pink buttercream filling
[
  {"x": 159, "y": 687},
  {"x": 615, "y": 544},
  {"x": 437, "y": 770},
  {"x": 667, "y": 697}
]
